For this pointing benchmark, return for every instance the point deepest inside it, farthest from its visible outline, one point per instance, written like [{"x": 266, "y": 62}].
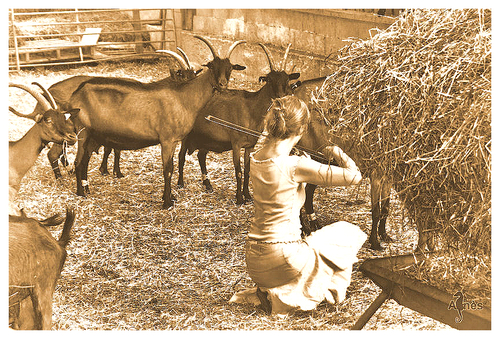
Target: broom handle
[{"x": 314, "y": 154}]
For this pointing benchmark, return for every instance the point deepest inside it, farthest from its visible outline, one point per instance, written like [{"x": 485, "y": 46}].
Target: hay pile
[{"x": 415, "y": 100}]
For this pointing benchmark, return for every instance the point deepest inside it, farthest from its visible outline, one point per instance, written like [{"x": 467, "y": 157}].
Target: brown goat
[
  {"x": 129, "y": 115},
  {"x": 35, "y": 263},
  {"x": 61, "y": 93},
  {"x": 243, "y": 108},
  {"x": 316, "y": 138},
  {"x": 51, "y": 126}
]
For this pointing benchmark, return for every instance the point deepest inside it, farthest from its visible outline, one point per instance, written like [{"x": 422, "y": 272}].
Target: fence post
[
  {"x": 137, "y": 27},
  {"x": 18, "y": 63},
  {"x": 163, "y": 17},
  {"x": 175, "y": 29}
]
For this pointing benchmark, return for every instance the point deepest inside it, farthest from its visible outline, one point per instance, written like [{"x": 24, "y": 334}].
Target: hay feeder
[{"x": 387, "y": 273}]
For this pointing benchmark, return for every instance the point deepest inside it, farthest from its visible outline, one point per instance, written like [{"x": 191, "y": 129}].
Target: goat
[
  {"x": 316, "y": 138},
  {"x": 241, "y": 107},
  {"x": 51, "y": 126},
  {"x": 130, "y": 115},
  {"x": 35, "y": 263},
  {"x": 178, "y": 75},
  {"x": 61, "y": 92}
]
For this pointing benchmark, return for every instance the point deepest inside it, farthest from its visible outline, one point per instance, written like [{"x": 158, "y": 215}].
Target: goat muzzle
[{"x": 70, "y": 138}]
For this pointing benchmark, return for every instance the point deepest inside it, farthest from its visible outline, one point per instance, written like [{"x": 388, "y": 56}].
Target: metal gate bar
[{"x": 163, "y": 35}]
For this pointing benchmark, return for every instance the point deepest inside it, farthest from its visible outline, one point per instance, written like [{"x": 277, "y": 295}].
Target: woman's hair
[{"x": 287, "y": 116}]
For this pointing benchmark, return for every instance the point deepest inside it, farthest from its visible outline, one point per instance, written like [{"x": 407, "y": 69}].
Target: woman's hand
[{"x": 337, "y": 154}]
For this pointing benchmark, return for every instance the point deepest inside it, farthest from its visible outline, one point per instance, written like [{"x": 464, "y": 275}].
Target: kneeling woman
[{"x": 291, "y": 272}]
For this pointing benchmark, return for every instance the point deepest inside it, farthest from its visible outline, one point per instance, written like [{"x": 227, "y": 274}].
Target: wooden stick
[
  {"x": 314, "y": 154},
  {"x": 375, "y": 305}
]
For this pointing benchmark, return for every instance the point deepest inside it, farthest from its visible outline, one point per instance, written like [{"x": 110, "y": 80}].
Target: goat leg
[
  {"x": 116, "y": 164},
  {"x": 384, "y": 213},
  {"x": 309, "y": 209},
  {"x": 55, "y": 152},
  {"x": 104, "y": 164},
  {"x": 202, "y": 160},
  {"x": 37, "y": 312},
  {"x": 375, "y": 193},
  {"x": 237, "y": 171},
  {"x": 182, "y": 160},
  {"x": 85, "y": 147},
  {"x": 167, "y": 150},
  {"x": 246, "y": 176}
]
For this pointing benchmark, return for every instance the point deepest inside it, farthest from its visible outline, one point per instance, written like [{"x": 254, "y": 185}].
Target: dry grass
[
  {"x": 133, "y": 266},
  {"x": 415, "y": 100}
]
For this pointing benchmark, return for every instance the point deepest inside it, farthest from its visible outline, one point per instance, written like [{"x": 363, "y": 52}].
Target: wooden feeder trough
[{"x": 430, "y": 301}]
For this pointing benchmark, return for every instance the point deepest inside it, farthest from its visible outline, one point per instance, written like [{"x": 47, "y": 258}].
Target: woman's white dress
[{"x": 297, "y": 273}]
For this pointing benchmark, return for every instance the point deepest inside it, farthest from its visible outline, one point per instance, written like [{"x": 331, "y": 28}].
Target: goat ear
[
  {"x": 239, "y": 67},
  {"x": 38, "y": 117},
  {"x": 293, "y": 76},
  {"x": 262, "y": 79},
  {"x": 72, "y": 113},
  {"x": 295, "y": 85}
]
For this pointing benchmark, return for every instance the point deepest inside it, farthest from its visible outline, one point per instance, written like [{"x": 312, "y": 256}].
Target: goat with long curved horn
[
  {"x": 285, "y": 57},
  {"x": 270, "y": 59},
  {"x": 46, "y": 94},
  {"x": 185, "y": 57},
  {"x": 140, "y": 106},
  {"x": 212, "y": 49},
  {"x": 51, "y": 126},
  {"x": 221, "y": 80},
  {"x": 39, "y": 97},
  {"x": 247, "y": 109},
  {"x": 233, "y": 46},
  {"x": 176, "y": 56}
]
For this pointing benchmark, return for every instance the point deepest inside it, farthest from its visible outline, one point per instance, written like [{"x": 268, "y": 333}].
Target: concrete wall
[
  {"x": 314, "y": 34},
  {"x": 314, "y": 31}
]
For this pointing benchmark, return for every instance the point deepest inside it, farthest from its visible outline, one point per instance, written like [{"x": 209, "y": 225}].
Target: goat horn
[
  {"x": 232, "y": 47},
  {"x": 47, "y": 95},
  {"x": 283, "y": 64},
  {"x": 184, "y": 55},
  {"x": 176, "y": 56},
  {"x": 214, "y": 53},
  {"x": 269, "y": 57},
  {"x": 40, "y": 98}
]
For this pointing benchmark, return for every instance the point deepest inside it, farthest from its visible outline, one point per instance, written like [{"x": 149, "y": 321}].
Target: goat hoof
[
  {"x": 167, "y": 205},
  {"x": 180, "y": 182},
  {"x": 103, "y": 171},
  {"x": 314, "y": 225},
  {"x": 118, "y": 175},
  {"x": 248, "y": 198},
  {"x": 386, "y": 238},
  {"x": 376, "y": 246},
  {"x": 81, "y": 194},
  {"x": 208, "y": 185},
  {"x": 264, "y": 302}
]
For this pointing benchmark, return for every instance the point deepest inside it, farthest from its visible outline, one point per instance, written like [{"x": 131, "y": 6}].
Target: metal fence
[{"x": 76, "y": 36}]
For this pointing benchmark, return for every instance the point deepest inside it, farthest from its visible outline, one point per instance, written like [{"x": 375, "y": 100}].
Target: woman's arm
[{"x": 313, "y": 172}]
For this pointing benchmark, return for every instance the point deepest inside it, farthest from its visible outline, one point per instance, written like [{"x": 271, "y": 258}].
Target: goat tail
[
  {"x": 54, "y": 220},
  {"x": 68, "y": 224}
]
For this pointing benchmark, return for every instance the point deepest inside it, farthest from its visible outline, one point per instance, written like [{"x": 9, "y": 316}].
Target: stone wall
[
  {"x": 314, "y": 34},
  {"x": 314, "y": 31}
]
